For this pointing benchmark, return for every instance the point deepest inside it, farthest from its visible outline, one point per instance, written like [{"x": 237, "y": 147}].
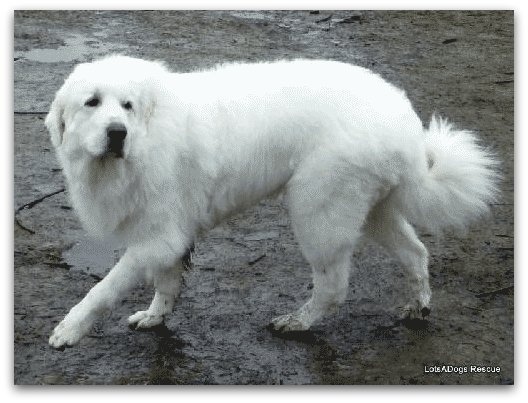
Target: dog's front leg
[
  {"x": 130, "y": 269},
  {"x": 167, "y": 283}
]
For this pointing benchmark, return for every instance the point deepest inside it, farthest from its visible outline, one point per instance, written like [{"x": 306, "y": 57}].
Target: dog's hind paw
[
  {"x": 144, "y": 320},
  {"x": 289, "y": 323},
  {"x": 415, "y": 311}
]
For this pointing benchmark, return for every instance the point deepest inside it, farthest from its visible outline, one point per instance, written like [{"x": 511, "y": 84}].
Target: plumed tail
[{"x": 456, "y": 185}]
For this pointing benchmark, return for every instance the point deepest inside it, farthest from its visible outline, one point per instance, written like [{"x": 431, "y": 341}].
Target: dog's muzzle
[{"x": 116, "y": 134}]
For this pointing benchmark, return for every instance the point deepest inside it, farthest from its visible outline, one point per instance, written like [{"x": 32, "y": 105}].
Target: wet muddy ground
[{"x": 250, "y": 269}]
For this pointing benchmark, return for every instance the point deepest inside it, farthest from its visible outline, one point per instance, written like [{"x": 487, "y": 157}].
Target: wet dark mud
[{"x": 459, "y": 64}]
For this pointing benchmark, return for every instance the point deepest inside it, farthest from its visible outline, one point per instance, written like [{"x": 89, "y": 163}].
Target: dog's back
[{"x": 345, "y": 145}]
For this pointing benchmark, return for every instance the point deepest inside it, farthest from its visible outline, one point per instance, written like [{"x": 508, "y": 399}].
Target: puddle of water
[
  {"x": 251, "y": 15},
  {"x": 93, "y": 256},
  {"x": 77, "y": 48},
  {"x": 262, "y": 235}
]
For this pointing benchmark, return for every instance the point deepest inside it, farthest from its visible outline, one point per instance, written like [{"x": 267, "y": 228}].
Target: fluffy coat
[{"x": 344, "y": 145}]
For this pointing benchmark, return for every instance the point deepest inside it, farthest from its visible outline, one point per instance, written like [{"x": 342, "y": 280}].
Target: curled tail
[{"x": 456, "y": 185}]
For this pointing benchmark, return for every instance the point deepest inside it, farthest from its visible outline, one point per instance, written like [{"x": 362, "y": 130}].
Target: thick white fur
[{"x": 344, "y": 145}]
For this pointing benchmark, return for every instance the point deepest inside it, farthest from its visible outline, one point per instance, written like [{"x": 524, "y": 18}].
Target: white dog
[{"x": 155, "y": 157}]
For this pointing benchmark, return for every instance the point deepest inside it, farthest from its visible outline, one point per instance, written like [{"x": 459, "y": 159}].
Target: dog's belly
[{"x": 244, "y": 184}]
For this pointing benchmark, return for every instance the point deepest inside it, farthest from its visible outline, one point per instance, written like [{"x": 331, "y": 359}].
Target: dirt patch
[{"x": 459, "y": 64}]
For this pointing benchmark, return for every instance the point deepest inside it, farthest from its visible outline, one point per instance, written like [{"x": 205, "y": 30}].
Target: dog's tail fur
[{"x": 456, "y": 186}]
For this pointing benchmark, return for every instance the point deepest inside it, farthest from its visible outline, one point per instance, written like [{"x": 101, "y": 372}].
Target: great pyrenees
[{"x": 155, "y": 157}]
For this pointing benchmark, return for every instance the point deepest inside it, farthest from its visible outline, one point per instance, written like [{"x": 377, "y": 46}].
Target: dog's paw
[
  {"x": 415, "y": 311},
  {"x": 290, "y": 322},
  {"x": 69, "y": 332},
  {"x": 144, "y": 320}
]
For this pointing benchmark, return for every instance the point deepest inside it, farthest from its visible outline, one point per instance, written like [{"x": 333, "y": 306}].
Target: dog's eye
[
  {"x": 92, "y": 102},
  {"x": 127, "y": 105}
]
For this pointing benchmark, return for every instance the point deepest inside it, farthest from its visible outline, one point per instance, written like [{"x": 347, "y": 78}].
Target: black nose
[{"x": 116, "y": 133}]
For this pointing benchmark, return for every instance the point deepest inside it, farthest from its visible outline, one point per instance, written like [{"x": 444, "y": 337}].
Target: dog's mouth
[
  {"x": 117, "y": 154},
  {"x": 115, "y": 149},
  {"x": 110, "y": 155}
]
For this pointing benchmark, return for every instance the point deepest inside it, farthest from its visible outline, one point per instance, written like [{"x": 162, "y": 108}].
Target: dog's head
[{"x": 103, "y": 107}]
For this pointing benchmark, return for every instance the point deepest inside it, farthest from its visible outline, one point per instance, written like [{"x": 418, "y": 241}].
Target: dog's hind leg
[
  {"x": 327, "y": 215},
  {"x": 330, "y": 285},
  {"x": 391, "y": 230},
  {"x": 167, "y": 283}
]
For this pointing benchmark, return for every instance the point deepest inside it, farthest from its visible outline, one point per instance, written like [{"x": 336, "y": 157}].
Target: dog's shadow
[
  {"x": 414, "y": 324},
  {"x": 303, "y": 336},
  {"x": 168, "y": 355}
]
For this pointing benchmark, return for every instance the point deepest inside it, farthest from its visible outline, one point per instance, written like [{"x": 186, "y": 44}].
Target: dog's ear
[
  {"x": 55, "y": 121},
  {"x": 149, "y": 110},
  {"x": 148, "y": 105}
]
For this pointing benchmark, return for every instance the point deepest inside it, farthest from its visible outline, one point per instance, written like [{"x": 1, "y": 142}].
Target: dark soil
[{"x": 459, "y": 64}]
